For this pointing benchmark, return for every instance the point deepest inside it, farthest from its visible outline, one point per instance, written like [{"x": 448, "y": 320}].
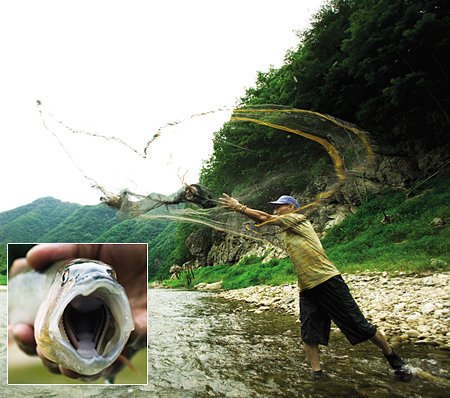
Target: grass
[
  {"x": 250, "y": 271},
  {"x": 409, "y": 242}
]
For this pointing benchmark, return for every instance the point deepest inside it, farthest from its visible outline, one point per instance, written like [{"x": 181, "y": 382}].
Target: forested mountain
[
  {"x": 380, "y": 64},
  {"x": 83, "y": 226},
  {"x": 48, "y": 220},
  {"x": 30, "y": 222}
]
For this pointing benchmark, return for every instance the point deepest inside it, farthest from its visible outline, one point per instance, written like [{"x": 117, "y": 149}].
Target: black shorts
[{"x": 331, "y": 300}]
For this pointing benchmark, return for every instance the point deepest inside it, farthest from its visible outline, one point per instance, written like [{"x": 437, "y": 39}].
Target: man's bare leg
[
  {"x": 381, "y": 342},
  {"x": 401, "y": 371},
  {"x": 312, "y": 353}
]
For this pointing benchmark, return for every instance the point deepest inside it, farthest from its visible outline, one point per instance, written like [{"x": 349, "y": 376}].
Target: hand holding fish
[{"x": 130, "y": 263}]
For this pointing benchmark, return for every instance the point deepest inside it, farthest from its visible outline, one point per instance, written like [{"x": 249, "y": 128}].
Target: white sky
[{"x": 124, "y": 69}]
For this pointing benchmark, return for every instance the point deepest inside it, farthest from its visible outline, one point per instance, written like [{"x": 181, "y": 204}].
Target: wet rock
[{"x": 200, "y": 286}]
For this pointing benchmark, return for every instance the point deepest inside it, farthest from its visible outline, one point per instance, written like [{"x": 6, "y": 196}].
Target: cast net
[{"x": 348, "y": 148}]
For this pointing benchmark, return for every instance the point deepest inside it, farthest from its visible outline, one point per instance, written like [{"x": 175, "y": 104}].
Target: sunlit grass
[{"x": 248, "y": 272}]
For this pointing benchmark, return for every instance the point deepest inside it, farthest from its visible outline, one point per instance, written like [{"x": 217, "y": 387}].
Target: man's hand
[{"x": 228, "y": 203}]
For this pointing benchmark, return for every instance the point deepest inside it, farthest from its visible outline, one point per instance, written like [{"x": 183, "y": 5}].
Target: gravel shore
[{"x": 406, "y": 308}]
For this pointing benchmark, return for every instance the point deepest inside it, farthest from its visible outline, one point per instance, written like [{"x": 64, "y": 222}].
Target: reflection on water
[{"x": 200, "y": 346}]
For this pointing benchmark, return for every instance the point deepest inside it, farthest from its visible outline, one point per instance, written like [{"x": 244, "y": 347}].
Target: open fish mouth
[
  {"x": 88, "y": 324},
  {"x": 85, "y": 320}
]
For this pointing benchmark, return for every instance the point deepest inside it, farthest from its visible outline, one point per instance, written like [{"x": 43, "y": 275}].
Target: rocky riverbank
[{"x": 406, "y": 308}]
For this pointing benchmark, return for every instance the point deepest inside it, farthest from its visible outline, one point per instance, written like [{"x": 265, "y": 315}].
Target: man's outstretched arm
[{"x": 258, "y": 216}]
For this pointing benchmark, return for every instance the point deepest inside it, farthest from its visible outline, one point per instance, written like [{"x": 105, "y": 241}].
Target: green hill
[
  {"x": 49, "y": 220},
  {"x": 31, "y": 222},
  {"x": 82, "y": 226}
]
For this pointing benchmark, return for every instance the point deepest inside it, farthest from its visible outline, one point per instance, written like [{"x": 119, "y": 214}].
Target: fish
[{"x": 81, "y": 315}]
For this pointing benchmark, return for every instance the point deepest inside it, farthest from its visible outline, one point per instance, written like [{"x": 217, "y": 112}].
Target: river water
[{"x": 202, "y": 346}]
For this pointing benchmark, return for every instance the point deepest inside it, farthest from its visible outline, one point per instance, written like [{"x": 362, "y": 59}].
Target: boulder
[
  {"x": 212, "y": 286},
  {"x": 428, "y": 308},
  {"x": 413, "y": 333}
]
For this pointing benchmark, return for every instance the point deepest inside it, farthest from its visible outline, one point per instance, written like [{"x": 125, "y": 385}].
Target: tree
[
  {"x": 399, "y": 50},
  {"x": 381, "y": 64}
]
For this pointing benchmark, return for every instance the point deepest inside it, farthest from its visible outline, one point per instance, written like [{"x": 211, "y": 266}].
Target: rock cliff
[{"x": 394, "y": 172}]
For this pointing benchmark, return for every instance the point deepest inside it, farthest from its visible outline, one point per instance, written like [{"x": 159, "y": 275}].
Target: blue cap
[{"x": 284, "y": 200}]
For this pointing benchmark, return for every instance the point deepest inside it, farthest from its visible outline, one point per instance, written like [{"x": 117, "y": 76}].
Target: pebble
[{"x": 406, "y": 308}]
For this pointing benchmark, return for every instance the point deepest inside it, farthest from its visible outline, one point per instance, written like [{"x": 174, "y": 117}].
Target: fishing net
[
  {"x": 131, "y": 205},
  {"x": 348, "y": 147}
]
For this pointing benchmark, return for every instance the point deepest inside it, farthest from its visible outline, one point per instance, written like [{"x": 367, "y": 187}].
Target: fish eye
[
  {"x": 65, "y": 277},
  {"x": 112, "y": 273}
]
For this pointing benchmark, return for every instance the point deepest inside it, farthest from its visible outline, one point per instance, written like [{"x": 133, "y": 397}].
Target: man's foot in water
[
  {"x": 317, "y": 373},
  {"x": 401, "y": 371},
  {"x": 403, "y": 374}
]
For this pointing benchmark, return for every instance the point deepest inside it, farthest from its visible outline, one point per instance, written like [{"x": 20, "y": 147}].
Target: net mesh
[{"x": 349, "y": 148}]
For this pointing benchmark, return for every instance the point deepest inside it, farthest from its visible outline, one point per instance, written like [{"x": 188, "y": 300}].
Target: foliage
[
  {"x": 133, "y": 231},
  {"x": 397, "y": 49},
  {"x": 83, "y": 226},
  {"x": 30, "y": 222},
  {"x": 256, "y": 161},
  {"x": 380, "y": 64},
  {"x": 250, "y": 271},
  {"x": 410, "y": 241},
  {"x": 159, "y": 252},
  {"x": 3, "y": 258},
  {"x": 179, "y": 253}
]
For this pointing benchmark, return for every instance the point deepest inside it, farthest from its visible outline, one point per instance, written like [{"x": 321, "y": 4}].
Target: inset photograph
[{"x": 77, "y": 313}]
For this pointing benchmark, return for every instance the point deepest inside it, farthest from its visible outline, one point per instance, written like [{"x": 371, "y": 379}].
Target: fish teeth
[
  {"x": 77, "y": 328},
  {"x": 102, "y": 327}
]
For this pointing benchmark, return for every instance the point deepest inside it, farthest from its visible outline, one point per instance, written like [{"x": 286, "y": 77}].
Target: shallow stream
[{"x": 201, "y": 346}]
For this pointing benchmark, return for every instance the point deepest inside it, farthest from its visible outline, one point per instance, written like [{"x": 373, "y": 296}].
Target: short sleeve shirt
[{"x": 306, "y": 252}]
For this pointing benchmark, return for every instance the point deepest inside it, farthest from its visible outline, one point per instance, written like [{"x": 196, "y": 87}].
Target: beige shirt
[{"x": 306, "y": 252}]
